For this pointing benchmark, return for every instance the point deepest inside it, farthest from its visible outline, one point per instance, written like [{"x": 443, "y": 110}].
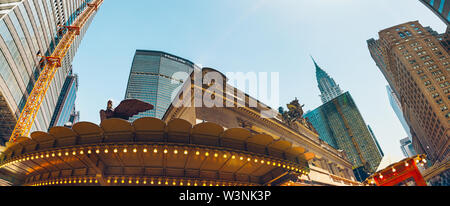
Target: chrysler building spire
[{"x": 327, "y": 86}]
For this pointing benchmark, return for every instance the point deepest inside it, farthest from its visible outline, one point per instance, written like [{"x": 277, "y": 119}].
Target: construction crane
[{"x": 52, "y": 64}]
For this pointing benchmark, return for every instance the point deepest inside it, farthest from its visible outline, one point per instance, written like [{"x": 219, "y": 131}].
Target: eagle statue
[{"x": 126, "y": 109}]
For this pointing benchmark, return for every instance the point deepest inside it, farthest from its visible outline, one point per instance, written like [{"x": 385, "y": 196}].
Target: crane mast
[{"x": 52, "y": 64}]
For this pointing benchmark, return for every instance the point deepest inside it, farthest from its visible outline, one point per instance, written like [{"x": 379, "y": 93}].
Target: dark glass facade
[
  {"x": 66, "y": 102},
  {"x": 340, "y": 123},
  {"x": 152, "y": 80},
  {"x": 319, "y": 120}
]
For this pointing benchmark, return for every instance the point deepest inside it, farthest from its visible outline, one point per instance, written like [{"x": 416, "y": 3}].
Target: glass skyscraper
[
  {"x": 152, "y": 80},
  {"x": 407, "y": 147},
  {"x": 66, "y": 102},
  {"x": 318, "y": 118},
  {"x": 28, "y": 29},
  {"x": 397, "y": 107},
  {"x": 350, "y": 132},
  {"x": 341, "y": 125}
]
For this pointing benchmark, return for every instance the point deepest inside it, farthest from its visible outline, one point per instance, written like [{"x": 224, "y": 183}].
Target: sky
[{"x": 252, "y": 36}]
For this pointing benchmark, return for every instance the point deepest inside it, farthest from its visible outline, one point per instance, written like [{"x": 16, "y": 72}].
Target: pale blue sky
[{"x": 252, "y": 35}]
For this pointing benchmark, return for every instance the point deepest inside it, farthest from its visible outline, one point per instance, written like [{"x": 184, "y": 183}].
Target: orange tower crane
[{"x": 53, "y": 63}]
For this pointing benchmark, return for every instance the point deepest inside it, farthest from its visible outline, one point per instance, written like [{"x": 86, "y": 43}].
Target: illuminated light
[
  {"x": 188, "y": 184},
  {"x": 152, "y": 182},
  {"x": 288, "y": 167},
  {"x": 262, "y": 161},
  {"x": 248, "y": 159},
  {"x": 155, "y": 151},
  {"x": 145, "y": 150},
  {"x": 181, "y": 183},
  {"x": 421, "y": 164},
  {"x": 195, "y": 184},
  {"x": 165, "y": 151},
  {"x": 109, "y": 181},
  {"x": 175, "y": 151},
  {"x": 145, "y": 182},
  {"x": 279, "y": 165},
  {"x": 115, "y": 181},
  {"x": 115, "y": 150},
  {"x": 97, "y": 151},
  {"x": 207, "y": 154},
  {"x": 137, "y": 181},
  {"x": 28, "y": 158},
  {"x": 256, "y": 160},
  {"x": 159, "y": 182},
  {"x": 47, "y": 155},
  {"x": 74, "y": 153},
  {"x": 406, "y": 164},
  {"x": 123, "y": 181},
  {"x": 37, "y": 157},
  {"x": 89, "y": 152},
  {"x": 106, "y": 151},
  {"x": 241, "y": 158},
  {"x": 185, "y": 152},
  {"x": 204, "y": 184},
  {"x": 174, "y": 183},
  {"x": 125, "y": 150},
  {"x": 225, "y": 156},
  {"x": 233, "y": 157},
  {"x": 53, "y": 154},
  {"x": 96, "y": 181},
  {"x": 216, "y": 155},
  {"x": 79, "y": 181},
  {"x": 134, "y": 150},
  {"x": 129, "y": 181},
  {"x": 210, "y": 184},
  {"x": 394, "y": 170},
  {"x": 42, "y": 156},
  {"x": 70, "y": 181},
  {"x": 166, "y": 183},
  {"x": 424, "y": 161},
  {"x": 197, "y": 153},
  {"x": 90, "y": 180},
  {"x": 284, "y": 166},
  {"x": 381, "y": 176},
  {"x": 417, "y": 161},
  {"x": 81, "y": 152}
]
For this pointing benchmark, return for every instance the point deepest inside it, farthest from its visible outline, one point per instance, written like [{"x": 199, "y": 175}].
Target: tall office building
[
  {"x": 440, "y": 8},
  {"x": 65, "y": 107},
  {"x": 407, "y": 147},
  {"x": 152, "y": 80},
  {"x": 318, "y": 118},
  {"x": 397, "y": 107},
  {"x": 346, "y": 128},
  {"x": 28, "y": 28},
  {"x": 416, "y": 66},
  {"x": 327, "y": 86}
]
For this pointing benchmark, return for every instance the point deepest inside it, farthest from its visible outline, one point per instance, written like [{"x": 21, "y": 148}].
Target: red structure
[{"x": 405, "y": 172}]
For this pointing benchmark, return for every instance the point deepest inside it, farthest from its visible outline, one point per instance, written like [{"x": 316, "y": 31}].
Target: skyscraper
[
  {"x": 65, "y": 107},
  {"x": 153, "y": 79},
  {"x": 397, "y": 107},
  {"x": 407, "y": 147},
  {"x": 416, "y": 66},
  {"x": 440, "y": 8},
  {"x": 340, "y": 124},
  {"x": 28, "y": 29},
  {"x": 348, "y": 131},
  {"x": 327, "y": 86}
]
